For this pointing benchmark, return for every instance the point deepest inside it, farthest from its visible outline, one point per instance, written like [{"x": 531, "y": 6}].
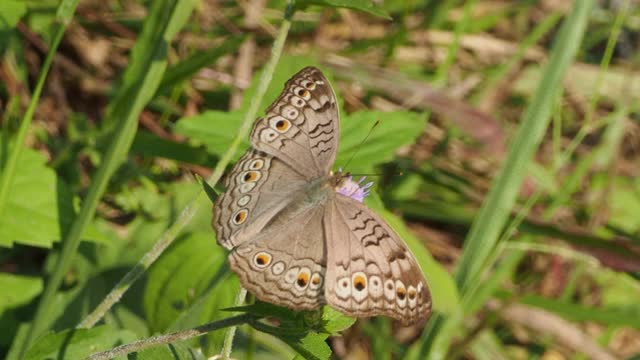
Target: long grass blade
[{"x": 141, "y": 80}]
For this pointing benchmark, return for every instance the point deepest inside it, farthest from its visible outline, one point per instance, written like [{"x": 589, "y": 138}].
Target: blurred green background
[{"x": 507, "y": 156}]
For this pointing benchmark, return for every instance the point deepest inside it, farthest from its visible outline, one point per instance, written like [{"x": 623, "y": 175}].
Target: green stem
[
  {"x": 172, "y": 338},
  {"x": 231, "y": 331},
  {"x": 187, "y": 214}
]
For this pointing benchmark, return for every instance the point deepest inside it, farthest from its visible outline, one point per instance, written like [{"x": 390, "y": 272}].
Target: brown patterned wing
[
  {"x": 370, "y": 271},
  {"x": 285, "y": 264},
  {"x": 258, "y": 188},
  {"x": 301, "y": 126}
]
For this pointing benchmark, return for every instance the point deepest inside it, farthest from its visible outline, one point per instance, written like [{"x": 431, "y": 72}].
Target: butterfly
[{"x": 299, "y": 234}]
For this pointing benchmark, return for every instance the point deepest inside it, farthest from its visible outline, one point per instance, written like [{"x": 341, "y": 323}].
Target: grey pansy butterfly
[{"x": 300, "y": 235}]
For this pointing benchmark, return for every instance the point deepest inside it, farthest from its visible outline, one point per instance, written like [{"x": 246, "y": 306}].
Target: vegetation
[{"x": 506, "y": 155}]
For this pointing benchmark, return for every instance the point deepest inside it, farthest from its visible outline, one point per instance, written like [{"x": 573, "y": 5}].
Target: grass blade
[
  {"x": 482, "y": 240},
  {"x": 140, "y": 82}
]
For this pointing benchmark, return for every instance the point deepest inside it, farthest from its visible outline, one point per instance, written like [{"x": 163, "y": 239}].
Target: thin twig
[
  {"x": 544, "y": 322},
  {"x": 172, "y": 338},
  {"x": 231, "y": 331},
  {"x": 247, "y": 52}
]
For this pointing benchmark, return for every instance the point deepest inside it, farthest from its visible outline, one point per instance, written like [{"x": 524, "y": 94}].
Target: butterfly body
[{"x": 299, "y": 233}]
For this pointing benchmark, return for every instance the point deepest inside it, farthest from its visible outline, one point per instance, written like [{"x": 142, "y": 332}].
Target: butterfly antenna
[
  {"x": 361, "y": 143},
  {"x": 399, "y": 173}
]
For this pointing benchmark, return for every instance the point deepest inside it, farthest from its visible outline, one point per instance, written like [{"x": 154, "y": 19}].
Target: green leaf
[
  {"x": 335, "y": 321},
  {"x": 190, "y": 66},
  {"x": 10, "y": 13},
  {"x": 311, "y": 346},
  {"x": 214, "y": 129},
  {"x": 624, "y": 203},
  {"x": 40, "y": 206},
  {"x": 362, "y": 5},
  {"x": 160, "y": 209},
  {"x": 175, "y": 284},
  {"x": 184, "y": 294},
  {"x": 212, "y": 194},
  {"x": 78, "y": 343},
  {"x": 265, "y": 309},
  {"x": 18, "y": 290},
  {"x": 394, "y": 130},
  {"x": 152, "y": 146}
]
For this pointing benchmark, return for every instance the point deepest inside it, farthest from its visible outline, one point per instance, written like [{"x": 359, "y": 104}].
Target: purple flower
[{"x": 354, "y": 189}]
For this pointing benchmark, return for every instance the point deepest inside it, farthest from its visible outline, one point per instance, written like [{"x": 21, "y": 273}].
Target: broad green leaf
[
  {"x": 77, "y": 343},
  {"x": 311, "y": 346},
  {"x": 624, "y": 204},
  {"x": 18, "y": 290},
  {"x": 214, "y": 129},
  {"x": 40, "y": 206},
  {"x": 217, "y": 129},
  {"x": 159, "y": 209},
  {"x": 10, "y": 13},
  {"x": 175, "y": 286},
  {"x": 188, "y": 67},
  {"x": 394, "y": 130},
  {"x": 335, "y": 321},
  {"x": 362, "y": 5},
  {"x": 152, "y": 146},
  {"x": 265, "y": 309}
]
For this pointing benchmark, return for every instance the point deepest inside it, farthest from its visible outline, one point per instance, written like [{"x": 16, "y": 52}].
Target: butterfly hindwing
[
  {"x": 285, "y": 265},
  {"x": 370, "y": 271}
]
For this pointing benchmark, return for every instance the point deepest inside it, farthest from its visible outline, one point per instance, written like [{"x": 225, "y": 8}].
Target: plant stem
[
  {"x": 172, "y": 338},
  {"x": 231, "y": 331}
]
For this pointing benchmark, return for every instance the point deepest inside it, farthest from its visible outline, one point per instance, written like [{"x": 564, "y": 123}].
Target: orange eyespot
[
  {"x": 240, "y": 216},
  {"x": 315, "y": 280},
  {"x": 250, "y": 176},
  {"x": 303, "y": 93},
  {"x": 401, "y": 293},
  {"x": 310, "y": 85},
  {"x": 412, "y": 294},
  {"x": 359, "y": 282},
  {"x": 303, "y": 279},
  {"x": 282, "y": 125},
  {"x": 262, "y": 259}
]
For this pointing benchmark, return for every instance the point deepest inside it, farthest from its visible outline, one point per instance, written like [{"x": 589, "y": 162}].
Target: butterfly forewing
[
  {"x": 301, "y": 126},
  {"x": 257, "y": 189}
]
